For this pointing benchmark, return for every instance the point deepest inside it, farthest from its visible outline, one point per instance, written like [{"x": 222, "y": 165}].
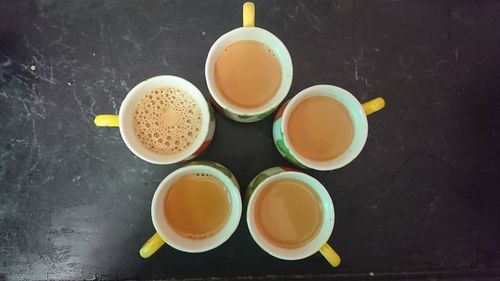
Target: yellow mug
[
  {"x": 165, "y": 232},
  {"x": 249, "y": 32},
  {"x": 317, "y": 244},
  {"x": 125, "y": 120},
  {"x": 357, "y": 111}
]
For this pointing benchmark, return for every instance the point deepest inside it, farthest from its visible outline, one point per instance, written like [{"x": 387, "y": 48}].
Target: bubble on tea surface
[{"x": 158, "y": 134}]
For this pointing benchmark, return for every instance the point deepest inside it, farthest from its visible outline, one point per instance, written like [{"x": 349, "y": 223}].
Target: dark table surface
[{"x": 421, "y": 201}]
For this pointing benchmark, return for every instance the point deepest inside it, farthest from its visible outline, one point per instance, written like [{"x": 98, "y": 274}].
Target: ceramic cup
[
  {"x": 165, "y": 233},
  {"x": 319, "y": 242},
  {"x": 357, "y": 112},
  {"x": 125, "y": 120},
  {"x": 249, "y": 32}
]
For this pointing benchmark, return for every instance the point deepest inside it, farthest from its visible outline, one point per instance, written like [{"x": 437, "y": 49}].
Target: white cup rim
[
  {"x": 126, "y": 118},
  {"x": 180, "y": 242},
  {"x": 317, "y": 242},
  {"x": 356, "y": 113},
  {"x": 256, "y": 34}
]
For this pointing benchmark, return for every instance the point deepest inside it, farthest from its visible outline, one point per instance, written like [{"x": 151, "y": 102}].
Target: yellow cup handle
[
  {"x": 373, "y": 105},
  {"x": 106, "y": 120},
  {"x": 330, "y": 255},
  {"x": 248, "y": 14},
  {"x": 151, "y": 246}
]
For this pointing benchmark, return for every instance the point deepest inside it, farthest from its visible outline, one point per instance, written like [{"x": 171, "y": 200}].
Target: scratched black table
[{"x": 420, "y": 202}]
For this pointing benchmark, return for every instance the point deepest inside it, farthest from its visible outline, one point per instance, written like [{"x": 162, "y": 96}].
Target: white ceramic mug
[
  {"x": 249, "y": 32},
  {"x": 319, "y": 242},
  {"x": 357, "y": 112},
  {"x": 125, "y": 120},
  {"x": 165, "y": 233}
]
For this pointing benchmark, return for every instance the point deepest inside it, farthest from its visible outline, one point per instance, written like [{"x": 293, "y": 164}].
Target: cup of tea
[
  {"x": 248, "y": 71},
  {"x": 290, "y": 215},
  {"x": 163, "y": 120},
  {"x": 323, "y": 127},
  {"x": 195, "y": 209}
]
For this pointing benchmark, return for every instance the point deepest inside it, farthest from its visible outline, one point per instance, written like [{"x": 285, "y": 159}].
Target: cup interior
[
  {"x": 126, "y": 118},
  {"x": 255, "y": 34},
  {"x": 316, "y": 243},
  {"x": 356, "y": 113},
  {"x": 179, "y": 242}
]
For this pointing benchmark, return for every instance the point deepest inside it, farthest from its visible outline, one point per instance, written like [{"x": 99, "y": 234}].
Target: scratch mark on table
[
  {"x": 78, "y": 100},
  {"x": 402, "y": 63},
  {"x": 101, "y": 30},
  {"x": 134, "y": 42},
  {"x": 35, "y": 145},
  {"x": 51, "y": 70},
  {"x": 92, "y": 104},
  {"x": 94, "y": 156},
  {"x": 355, "y": 69},
  {"x": 311, "y": 17},
  {"x": 155, "y": 35}
]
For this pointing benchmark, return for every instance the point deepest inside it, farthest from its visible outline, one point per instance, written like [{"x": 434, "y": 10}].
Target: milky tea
[
  {"x": 248, "y": 74},
  {"x": 288, "y": 213},
  {"x": 320, "y": 128},
  {"x": 167, "y": 120},
  {"x": 197, "y": 206}
]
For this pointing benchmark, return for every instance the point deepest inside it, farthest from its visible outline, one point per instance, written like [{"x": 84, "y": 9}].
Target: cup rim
[
  {"x": 356, "y": 113},
  {"x": 317, "y": 242},
  {"x": 127, "y": 131},
  {"x": 182, "y": 243},
  {"x": 285, "y": 63}
]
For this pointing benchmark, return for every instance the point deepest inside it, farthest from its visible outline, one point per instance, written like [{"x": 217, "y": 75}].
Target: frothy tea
[
  {"x": 197, "y": 206},
  {"x": 167, "y": 120}
]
